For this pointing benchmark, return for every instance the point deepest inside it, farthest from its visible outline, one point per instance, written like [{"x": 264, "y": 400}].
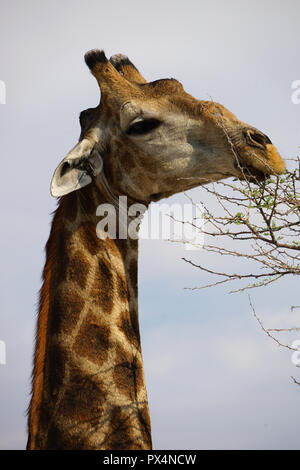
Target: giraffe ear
[{"x": 76, "y": 170}]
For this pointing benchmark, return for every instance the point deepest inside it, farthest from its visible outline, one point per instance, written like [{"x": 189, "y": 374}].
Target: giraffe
[{"x": 145, "y": 140}]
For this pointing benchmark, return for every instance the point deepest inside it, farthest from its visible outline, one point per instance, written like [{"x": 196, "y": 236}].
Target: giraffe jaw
[{"x": 251, "y": 174}]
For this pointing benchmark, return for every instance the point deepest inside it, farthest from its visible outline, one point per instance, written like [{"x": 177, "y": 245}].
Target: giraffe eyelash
[{"x": 143, "y": 126}]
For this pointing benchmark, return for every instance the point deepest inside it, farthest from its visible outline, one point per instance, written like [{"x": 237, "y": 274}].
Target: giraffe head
[{"x": 151, "y": 140}]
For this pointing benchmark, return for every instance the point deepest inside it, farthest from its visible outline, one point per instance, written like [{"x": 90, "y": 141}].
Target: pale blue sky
[{"x": 214, "y": 379}]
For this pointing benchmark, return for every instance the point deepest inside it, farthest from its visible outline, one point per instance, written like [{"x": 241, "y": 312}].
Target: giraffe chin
[{"x": 251, "y": 174}]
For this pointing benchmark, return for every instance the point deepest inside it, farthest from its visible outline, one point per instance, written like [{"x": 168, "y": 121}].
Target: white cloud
[{"x": 215, "y": 389}]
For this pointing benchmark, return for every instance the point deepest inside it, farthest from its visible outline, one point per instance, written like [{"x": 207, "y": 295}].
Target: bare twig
[
  {"x": 267, "y": 331},
  {"x": 264, "y": 222}
]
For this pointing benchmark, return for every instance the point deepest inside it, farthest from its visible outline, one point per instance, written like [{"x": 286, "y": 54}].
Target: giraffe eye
[{"x": 143, "y": 127}]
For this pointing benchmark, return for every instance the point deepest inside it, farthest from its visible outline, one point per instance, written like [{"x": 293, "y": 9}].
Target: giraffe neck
[{"x": 88, "y": 381}]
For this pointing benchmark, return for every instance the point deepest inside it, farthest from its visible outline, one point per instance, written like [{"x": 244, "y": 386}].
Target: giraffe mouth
[{"x": 250, "y": 173}]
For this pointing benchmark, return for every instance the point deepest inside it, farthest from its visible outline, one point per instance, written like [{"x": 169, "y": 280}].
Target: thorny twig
[{"x": 264, "y": 222}]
